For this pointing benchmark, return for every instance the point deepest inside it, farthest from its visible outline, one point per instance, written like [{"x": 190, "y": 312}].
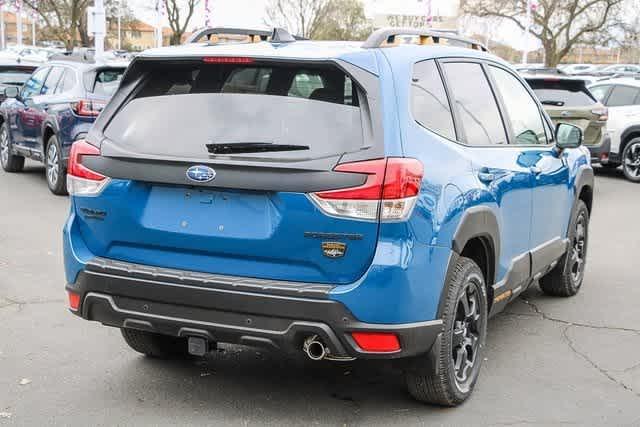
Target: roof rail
[
  {"x": 85, "y": 55},
  {"x": 263, "y": 35},
  {"x": 427, "y": 36}
]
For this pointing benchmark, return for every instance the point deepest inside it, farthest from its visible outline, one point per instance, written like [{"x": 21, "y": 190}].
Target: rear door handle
[{"x": 535, "y": 170}]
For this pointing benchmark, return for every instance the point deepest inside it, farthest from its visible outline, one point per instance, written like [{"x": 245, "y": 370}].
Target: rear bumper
[
  {"x": 262, "y": 313},
  {"x": 600, "y": 152}
]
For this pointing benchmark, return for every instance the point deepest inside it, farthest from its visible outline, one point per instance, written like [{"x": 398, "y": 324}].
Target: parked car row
[
  {"x": 52, "y": 108},
  {"x": 607, "y": 111}
]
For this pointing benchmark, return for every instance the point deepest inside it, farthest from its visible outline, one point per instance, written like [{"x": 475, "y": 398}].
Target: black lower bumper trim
[
  {"x": 597, "y": 151},
  {"x": 222, "y": 315}
]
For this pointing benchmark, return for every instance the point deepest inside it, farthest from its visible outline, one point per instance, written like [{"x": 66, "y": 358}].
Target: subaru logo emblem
[{"x": 201, "y": 173}]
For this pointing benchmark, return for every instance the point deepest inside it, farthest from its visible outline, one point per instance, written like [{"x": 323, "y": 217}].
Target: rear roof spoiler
[
  {"x": 277, "y": 35},
  {"x": 427, "y": 36}
]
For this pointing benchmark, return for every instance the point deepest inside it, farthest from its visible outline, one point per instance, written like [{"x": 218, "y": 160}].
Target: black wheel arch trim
[
  {"x": 479, "y": 221},
  {"x": 584, "y": 178}
]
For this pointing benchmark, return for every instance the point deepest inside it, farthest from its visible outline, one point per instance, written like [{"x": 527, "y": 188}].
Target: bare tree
[
  {"x": 63, "y": 20},
  {"x": 342, "y": 20},
  {"x": 179, "y": 14},
  {"x": 320, "y": 19},
  {"x": 301, "y": 17},
  {"x": 558, "y": 24}
]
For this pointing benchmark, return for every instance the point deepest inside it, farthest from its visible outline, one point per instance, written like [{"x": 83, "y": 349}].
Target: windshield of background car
[
  {"x": 313, "y": 109},
  {"x": 562, "y": 93}
]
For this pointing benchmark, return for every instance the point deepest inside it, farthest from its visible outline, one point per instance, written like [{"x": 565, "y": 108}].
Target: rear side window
[
  {"x": 524, "y": 115},
  {"x": 623, "y": 95},
  {"x": 327, "y": 84},
  {"x": 107, "y": 81},
  {"x": 52, "y": 80},
  {"x": 475, "y": 104},
  {"x": 429, "y": 104},
  {"x": 68, "y": 81},
  {"x": 33, "y": 86},
  {"x": 562, "y": 93}
]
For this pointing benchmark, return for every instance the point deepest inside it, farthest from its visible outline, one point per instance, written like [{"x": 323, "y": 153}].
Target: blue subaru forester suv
[{"x": 376, "y": 200}]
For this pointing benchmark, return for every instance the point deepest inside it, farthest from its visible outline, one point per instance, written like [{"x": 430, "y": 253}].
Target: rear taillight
[
  {"x": 602, "y": 113},
  {"x": 389, "y": 192},
  {"x": 82, "y": 181},
  {"x": 88, "y": 107}
]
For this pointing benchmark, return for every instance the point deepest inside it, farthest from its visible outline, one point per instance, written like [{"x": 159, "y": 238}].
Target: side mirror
[
  {"x": 11, "y": 92},
  {"x": 568, "y": 136}
]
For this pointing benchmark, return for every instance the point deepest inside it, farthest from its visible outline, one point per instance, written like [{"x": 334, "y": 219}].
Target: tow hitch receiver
[{"x": 198, "y": 346}]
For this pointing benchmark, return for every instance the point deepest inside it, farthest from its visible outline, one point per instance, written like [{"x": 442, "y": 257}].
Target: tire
[
  {"x": 156, "y": 345},
  {"x": 9, "y": 161},
  {"x": 565, "y": 280},
  {"x": 56, "y": 169},
  {"x": 631, "y": 160},
  {"x": 439, "y": 377}
]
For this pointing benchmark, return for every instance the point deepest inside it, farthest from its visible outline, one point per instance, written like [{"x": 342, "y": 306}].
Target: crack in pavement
[
  {"x": 593, "y": 363},
  {"x": 12, "y": 302},
  {"x": 570, "y": 343},
  {"x": 545, "y": 316}
]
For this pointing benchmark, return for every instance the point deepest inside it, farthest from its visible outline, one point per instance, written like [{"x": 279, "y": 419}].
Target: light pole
[
  {"x": 98, "y": 27},
  {"x": 531, "y": 7},
  {"x": 119, "y": 25},
  {"x": 34, "y": 14},
  {"x": 3, "y": 41},
  {"x": 159, "y": 16},
  {"x": 19, "y": 22}
]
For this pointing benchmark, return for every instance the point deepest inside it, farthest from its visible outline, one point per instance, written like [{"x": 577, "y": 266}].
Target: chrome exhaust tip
[{"x": 314, "y": 348}]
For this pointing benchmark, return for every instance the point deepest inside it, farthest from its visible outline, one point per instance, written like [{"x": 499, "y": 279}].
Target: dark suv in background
[{"x": 55, "y": 107}]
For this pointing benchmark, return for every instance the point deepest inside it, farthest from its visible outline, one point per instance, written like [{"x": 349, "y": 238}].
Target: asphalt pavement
[{"x": 549, "y": 361}]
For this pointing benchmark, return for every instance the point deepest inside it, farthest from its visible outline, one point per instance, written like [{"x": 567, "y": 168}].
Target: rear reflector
[
  {"x": 82, "y": 181},
  {"x": 74, "y": 301},
  {"x": 388, "y": 193},
  {"x": 377, "y": 342},
  {"x": 227, "y": 60}
]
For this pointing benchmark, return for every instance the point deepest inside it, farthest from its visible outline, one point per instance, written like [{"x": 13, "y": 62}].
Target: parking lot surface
[{"x": 549, "y": 361}]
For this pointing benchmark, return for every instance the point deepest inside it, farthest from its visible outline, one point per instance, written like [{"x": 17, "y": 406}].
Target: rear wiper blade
[{"x": 252, "y": 147}]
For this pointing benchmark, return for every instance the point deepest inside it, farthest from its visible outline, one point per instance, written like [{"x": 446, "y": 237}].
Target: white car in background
[
  {"x": 579, "y": 68},
  {"x": 622, "y": 98}
]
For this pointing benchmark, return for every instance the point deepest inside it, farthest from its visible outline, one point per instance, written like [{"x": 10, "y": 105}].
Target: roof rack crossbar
[
  {"x": 264, "y": 35},
  {"x": 388, "y": 35}
]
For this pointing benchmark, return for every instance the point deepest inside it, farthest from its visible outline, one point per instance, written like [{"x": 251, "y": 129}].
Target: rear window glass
[
  {"x": 198, "y": 110},
  {"x": 562, "y": 93},
  {"x": 14, "y": 77},
  {"x": 107, "y": 81},
  {"x": 328, "y": 84}
]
